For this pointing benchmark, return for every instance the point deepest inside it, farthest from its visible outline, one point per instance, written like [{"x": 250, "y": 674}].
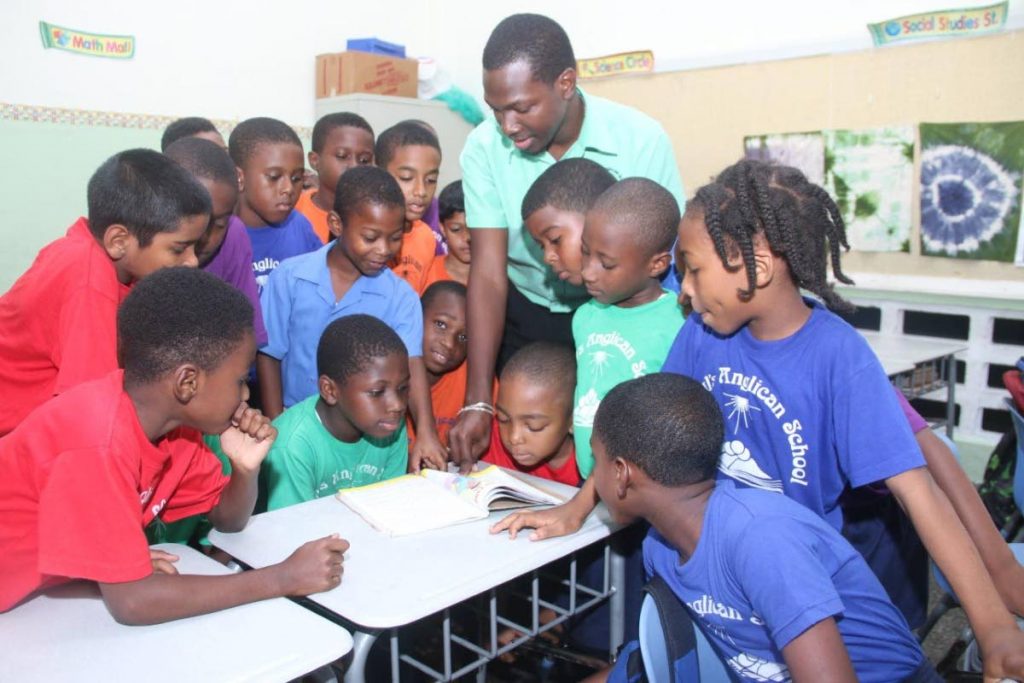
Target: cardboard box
[{"x": 347, "y": 72}]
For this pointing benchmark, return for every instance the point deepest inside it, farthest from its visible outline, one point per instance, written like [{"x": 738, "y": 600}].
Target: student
[
  {"x": 82, "y": 476},
  {"x": 191, "y": 127},
  {"x": 411, "y": 154},
  {"x": 268, "y": 155},
  {"x": 540, "y": 116},
  {"x": 625, "y": 331},
  {"x": 225, "y": 250},
  {"x": 452, "y": 213},
  {"x": 340, "y": 141},
  {"x": 347, "y": 276},
  {"x": 444, "y": 352},
  {"x": 532, "y": 430},
  {"x": 58, "y": 321},
  {"x": 352, "y": 432},
  {"x": 776, "y": 590},
  {"x": 555, "y": 208}
]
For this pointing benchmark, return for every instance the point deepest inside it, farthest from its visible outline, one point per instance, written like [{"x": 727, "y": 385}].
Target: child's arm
[
  {"x": 1006, "y": 572},
  {"x": 1002, "y": 643},
  {"x": 427, "y": 451},
  {"x": 560, "y": 520},
  {"x": 316, "y": 566},
  {"x": 246, "y": 444},
  {"x": 818, "y": 654},
  {"x": 268, "y": 372}
]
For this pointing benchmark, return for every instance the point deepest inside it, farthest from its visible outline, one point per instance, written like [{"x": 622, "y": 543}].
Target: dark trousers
[{"x": 526, "y": 322}]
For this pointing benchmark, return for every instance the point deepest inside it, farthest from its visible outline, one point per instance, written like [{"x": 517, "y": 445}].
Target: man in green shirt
[{"x": 540, "y": 116}]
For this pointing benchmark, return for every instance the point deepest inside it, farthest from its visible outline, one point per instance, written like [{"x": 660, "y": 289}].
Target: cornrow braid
[{"x": 798, "y": 219}]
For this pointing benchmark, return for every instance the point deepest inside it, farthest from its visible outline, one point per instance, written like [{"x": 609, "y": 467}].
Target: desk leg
[
  {"x": 617, "y": 602},
  {"x": 361, "y": 644},
  {"x": 950, "y": 394}
]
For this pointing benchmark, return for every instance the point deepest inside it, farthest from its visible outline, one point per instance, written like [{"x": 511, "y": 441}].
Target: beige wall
[{"x": 707, "y": 112}]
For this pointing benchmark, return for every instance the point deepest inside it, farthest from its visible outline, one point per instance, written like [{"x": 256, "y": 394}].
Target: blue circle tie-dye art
[{"x": 965, "y": 198}]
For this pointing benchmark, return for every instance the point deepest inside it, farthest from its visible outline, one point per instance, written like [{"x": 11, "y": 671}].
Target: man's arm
[
  {"x": 818, "y": 654},
  {"x": 487, "y": 298}
]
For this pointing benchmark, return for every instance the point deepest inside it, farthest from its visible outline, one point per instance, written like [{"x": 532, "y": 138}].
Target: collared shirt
[
  {"x": 299, "y": 303},
  {"x": 496, "y": 177}
]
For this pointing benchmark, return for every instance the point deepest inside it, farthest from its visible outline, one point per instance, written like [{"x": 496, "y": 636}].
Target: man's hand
[
  {"x": 316, "y": 566},
  {"x": 427, "y": 452},
  {"x": 163, "y": 562},
  {"x": 249, "y": 438},
  {"x": 468, "y": 439}
]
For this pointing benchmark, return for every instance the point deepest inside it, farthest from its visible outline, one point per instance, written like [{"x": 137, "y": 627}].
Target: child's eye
[
  {"x": 406, "y": 179},
  {"x": 608, "y": 266},
  {"x": 440, "y": 324},
  {"x": 297, "y": 178},
  {"x": 556, "y": 241},
  {"x": 341, "y": 156},
  {"x": 364, "y": 160},
  {"x": 535, "y": 429},
  {"x": 274, "y": 177},
  {"x": 502, "y": 419},
  {"x": 375, "y": 393},
  {"x": 463, "y": 339}
]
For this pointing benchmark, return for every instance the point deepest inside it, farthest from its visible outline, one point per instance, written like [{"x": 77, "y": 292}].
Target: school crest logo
[{"x": 738, "y": 463}]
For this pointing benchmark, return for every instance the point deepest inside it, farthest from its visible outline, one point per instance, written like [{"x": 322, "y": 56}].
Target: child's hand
[
  {"x": 163, "y": 562},
  {"x": 560, "y": 520},
  {"x": 249, "y": 438},
  {"x": 427, "y": 452},
  {"x": 469, "y": 438},
  {"x": 1002, "y": 653},
  {"x": 314, "y": 567},
  {"x": 1010, "y": 584}
]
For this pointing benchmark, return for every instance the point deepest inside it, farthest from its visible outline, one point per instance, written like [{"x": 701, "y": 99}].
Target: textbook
[{"x": 429, "y": 500}]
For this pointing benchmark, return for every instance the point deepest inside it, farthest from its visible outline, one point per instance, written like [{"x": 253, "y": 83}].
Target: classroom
[{"x": 569, "y": 341}]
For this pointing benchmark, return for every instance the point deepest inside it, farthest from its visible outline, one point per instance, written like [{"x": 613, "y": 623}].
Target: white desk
[
  {"x": 67, "y": 634},
  {"x": 392, "y": 582},
  {"x": 917, "y": 366}
]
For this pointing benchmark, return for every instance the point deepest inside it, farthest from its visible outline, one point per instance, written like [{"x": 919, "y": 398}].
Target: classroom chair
[
  {"x": 1018, "y": 473},
  {"x": 671, "y": 646}
]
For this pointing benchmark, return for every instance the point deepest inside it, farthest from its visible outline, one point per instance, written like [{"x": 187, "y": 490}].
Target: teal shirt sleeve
[
  {"x": 482, "y": 198},
  {"x": 289, "y": 475},
  {"x": 659, "y": 165}
]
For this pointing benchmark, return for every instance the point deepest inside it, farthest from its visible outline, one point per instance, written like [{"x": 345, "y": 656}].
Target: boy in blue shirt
[
  {"x": 268, "y": 155},
  {"x": 778, "y": 593},
  {"x": 351, "y": 433},
  {"x": 349, "y": 275}
]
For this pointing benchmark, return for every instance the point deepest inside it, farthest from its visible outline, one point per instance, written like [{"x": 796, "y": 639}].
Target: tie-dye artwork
[
  {"x": 971, "y": 189},
  {"x": 870, "y": 174},
  {"x": 805, "y": 151}
]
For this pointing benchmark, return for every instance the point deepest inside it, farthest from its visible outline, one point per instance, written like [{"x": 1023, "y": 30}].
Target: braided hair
[{"x": 799, "y": 220}]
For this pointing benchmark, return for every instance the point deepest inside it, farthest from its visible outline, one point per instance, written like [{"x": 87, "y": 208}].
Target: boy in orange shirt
[
  {"x": 340, "y": 141},
  {"x": 452, "y": 214},
  {"x": 57, "y": 323},
  {"x": 412, "y": 154}
]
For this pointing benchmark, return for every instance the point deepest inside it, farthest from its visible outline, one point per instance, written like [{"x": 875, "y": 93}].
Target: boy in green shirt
[{"x": 352, "y": 432}]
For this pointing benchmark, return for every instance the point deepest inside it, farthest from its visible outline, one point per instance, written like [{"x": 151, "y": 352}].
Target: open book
[{"x": 432, "y": 500}]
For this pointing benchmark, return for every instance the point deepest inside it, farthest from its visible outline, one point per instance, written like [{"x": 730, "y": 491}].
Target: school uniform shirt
[
  {"x": 316, "y": 216},
  {"x": 447, "y": 397},
  {"x": 298, "y": 304},
  {"x": 233, "y": 264},
  {"x": 273, "y": 244},
  {"x": 414, "y": 258},
  {"x": 764, "y": 571},
  {"x": 79, "y": 481},
  {"x": 58, "y": 324},
  {"x": 307, "y": 462},
  {"x": 498, "y": 455},
  {"x": 437, "y": 273},
  {"x": 807, "y": 415},
  {"x": 496, "y": 176},
  {"x": 615, "y": 344}
]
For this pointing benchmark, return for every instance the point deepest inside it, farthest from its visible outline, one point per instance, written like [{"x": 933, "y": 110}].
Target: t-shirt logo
[
  {"x": 754, "y": 668},
  {"x": 737, "y": 462},
  {"x": 586, "y": 408}
]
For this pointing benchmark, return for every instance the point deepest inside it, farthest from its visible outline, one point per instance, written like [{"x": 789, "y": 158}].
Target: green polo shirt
[{"x": 496, "y": 176}]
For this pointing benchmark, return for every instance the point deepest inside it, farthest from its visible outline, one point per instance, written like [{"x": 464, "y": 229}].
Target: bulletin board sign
[
  {"x": 948, "y": 23},
  {"x": 620, "y": 64},
  {"x": 86, "y": 43}
]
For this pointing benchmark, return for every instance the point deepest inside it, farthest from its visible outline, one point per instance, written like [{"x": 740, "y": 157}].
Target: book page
[
  {"x": 486, "y": 487},
  {"x": 408, "y": 505}
]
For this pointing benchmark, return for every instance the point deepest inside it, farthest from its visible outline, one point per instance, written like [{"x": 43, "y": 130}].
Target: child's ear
[
  {"x": 186, "y": 383},
  {"x": 314, "y": 160},
  {"x": 658, "y": 264},
  {"x": 117, "y": 240},
  {"x": 328, "y": 390},
  {"x": 623, "y": 477},
  {"x": 566, "y": 83},
  {"x": 334, "y": 224},
  {"x": 241, "y": 178},
  {"x": 765, "y": 263}
]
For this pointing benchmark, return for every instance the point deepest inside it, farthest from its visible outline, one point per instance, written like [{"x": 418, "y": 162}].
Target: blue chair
[
  {"x": 1018, "y": 473},
  {"x": 671, "y": 646}
]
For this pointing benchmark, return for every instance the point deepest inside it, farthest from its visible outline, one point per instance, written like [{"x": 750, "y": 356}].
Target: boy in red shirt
[
  {"x": 57, "y": 322},
  {"x": 532, "y": 430},
  {"x": 82, "y": 476}
]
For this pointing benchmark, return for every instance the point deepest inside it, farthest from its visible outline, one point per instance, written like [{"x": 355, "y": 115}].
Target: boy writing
[
  {"x": 347, "y": 276},
  {"x": 225, "y": 250},
  {"x": 350, "y": 433},
  {"x": 532, "y": 430},
  {"x": 444, "y": 352},
  {"x": 58, "y": 321},
  {"x": 127, "y": 448},
  {"x": 412, "y": 155},
  {"x": 268, "y": 155},
  {"x": 340, "y": 141},
  {"x": 452, "y": 214},
  {"x": 777, "y": 591}
]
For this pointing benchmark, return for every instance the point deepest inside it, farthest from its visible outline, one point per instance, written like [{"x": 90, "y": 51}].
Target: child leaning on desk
[{"x": 88, "y": 470}]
